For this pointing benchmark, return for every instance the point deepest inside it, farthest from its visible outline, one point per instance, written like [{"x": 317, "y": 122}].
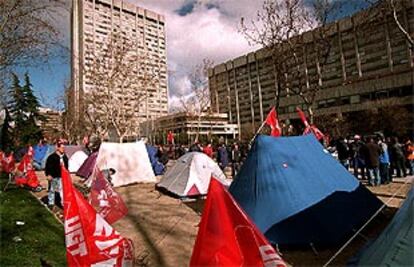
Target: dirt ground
[{"x": 164, "y": 229}]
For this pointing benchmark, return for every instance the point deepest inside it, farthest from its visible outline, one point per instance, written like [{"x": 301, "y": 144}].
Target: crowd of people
[
  {"x": 225, "y": 155},
  {"x": 376, "y": 158}
]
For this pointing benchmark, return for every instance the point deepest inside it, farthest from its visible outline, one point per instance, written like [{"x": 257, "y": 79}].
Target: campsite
[
  {"x": 164, "y": 229},
  {"x": 163, "y": 226}
]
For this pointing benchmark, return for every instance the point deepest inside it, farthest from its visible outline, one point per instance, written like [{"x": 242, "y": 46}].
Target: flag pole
[{"x": 257, "y": 132}]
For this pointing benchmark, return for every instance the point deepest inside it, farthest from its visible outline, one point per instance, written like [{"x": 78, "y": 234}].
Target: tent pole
[{"x": 257, "y": 132}]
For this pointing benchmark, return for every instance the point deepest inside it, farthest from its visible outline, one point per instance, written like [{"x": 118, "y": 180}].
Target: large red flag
[
  {"x": 107, "y": 202},
  {"x": 273, "y": 122},
  {"x": 227, "y": 237},
  {"x": 90, "y": 240}
]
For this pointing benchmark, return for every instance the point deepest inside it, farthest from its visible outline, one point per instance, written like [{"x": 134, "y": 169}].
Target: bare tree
[
  {"x": 279, "y": 28},
  {"x": 120, "y": 80},
  {"x": 197, "y": 102},
  {"x": 28, "y": 33}
]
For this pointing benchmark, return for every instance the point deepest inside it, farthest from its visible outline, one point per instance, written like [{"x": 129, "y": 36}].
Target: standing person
[
  {"x": 235, "y": 159},
  {"x": 372, "y": 153},
  {"x": 53, "y": 172},
  {"x": 409, "y": 153},
  {"x": 343, "y": 152},
  {"x": 222, "y": 156},
  {"x": 397, "y": 157},
  {"x": 384, "y": 162},
  {"x": 357, "y": 154}
]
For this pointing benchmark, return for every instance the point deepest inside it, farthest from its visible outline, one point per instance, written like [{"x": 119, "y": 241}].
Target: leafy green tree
[
  {"x": 23, "y": 106},
  {"x": 16, "y": 107},
  {"x": 31, "y": 132},
  {"x": 6, "y": 133}
]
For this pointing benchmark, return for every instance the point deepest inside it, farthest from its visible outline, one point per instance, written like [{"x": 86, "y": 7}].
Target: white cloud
[{"x": 210, "y": 31}]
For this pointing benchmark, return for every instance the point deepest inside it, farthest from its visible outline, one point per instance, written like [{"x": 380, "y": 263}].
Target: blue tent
[
  {"x": 40, "y": 155},
  {"x": 395, "y": 246},
  {"x": 157, "y": 166},
  {"x": 297, "y": 193}
]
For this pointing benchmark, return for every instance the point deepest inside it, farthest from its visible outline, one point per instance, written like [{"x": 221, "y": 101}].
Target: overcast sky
[{"x": 195, "y": 29}]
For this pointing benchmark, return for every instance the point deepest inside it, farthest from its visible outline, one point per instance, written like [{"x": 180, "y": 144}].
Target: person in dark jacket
[
  {"x": 397, "y": 157},
  {"x": 372, "y": 154},
  {"x": 222, "y": 156},
  {"x": 343, "y": 152},
  {"x": 235, "y": 159},
  {"x": 357, "y": 154},
  {"x": 53, "y": 172}
]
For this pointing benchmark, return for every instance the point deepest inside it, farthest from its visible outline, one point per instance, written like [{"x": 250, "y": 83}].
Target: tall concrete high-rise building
[
  {"x": 110, "y": 32},
  {"x": 368, "y": 66}
]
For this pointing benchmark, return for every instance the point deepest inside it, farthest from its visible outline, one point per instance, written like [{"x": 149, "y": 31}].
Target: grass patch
[{"x": 42, "y": 235}]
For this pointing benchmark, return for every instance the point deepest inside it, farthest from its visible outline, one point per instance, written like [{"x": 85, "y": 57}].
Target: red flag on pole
[
  {"x": 309, "y": 128},
  {"x": 227, "y": 237},
  {"x": 107, "y": 202},
  {"x": 303, "y": 118},
  {"x": 90, "y": 240},
  {"x": 273, "y": 122}
]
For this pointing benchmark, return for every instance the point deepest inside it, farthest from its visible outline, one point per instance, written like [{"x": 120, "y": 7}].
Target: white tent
[
  {"x": 191, "y": 174},
  {"x": 129, "y": 160},
  {"x": 76, "y": 160}
]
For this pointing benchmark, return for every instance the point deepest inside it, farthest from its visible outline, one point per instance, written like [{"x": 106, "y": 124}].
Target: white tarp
[
  {"x": 129, "y": 160},
  {"x": 76, "y": 160},
  {"x": 191, "y": 175}
]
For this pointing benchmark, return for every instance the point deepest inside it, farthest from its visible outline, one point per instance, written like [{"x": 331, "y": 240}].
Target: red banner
[
  {"x": 107, "y": 202},
  {"x": 90, "y": 240},
  {"x": 273, "y": 122},
  {"x": 227, "y": 237},
  {"x": 8, "y": 164}
]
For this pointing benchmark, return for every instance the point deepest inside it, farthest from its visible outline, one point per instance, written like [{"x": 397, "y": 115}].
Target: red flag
[
  {"x": 24, "y": 163},
  {"x": 106, "y": 200},
  {"x": 90, "y": 240},
  {"x": 273, "y": 122},
  {"x": 8, "y": 164},
  {"x": 309, "y": 128},
  {"x": 227, "y": 237},
  {"x": 303, "y": 118}
]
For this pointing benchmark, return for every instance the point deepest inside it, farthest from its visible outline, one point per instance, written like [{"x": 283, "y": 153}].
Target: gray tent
[{"x": 191, "y": 174}]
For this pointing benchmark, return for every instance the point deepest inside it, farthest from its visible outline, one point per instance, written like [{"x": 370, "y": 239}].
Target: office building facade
[
  {"x": 95, "y": 25},
  {"x": 367, "y": 67}
]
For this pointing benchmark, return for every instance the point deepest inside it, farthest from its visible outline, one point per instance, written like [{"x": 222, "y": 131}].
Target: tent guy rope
[{"x": 363, "y": 227}]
